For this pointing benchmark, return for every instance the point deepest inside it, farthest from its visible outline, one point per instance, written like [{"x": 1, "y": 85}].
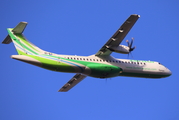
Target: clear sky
[{"x": 81, "y": 28}]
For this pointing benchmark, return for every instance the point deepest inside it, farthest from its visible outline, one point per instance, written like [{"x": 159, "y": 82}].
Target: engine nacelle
[{"x": 120, "y": 49}]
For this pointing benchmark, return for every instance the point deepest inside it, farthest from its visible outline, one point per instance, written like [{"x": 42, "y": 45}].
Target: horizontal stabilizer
[
  {"x": 7, "y": 40},
  {"x": 20, "y": 28}
]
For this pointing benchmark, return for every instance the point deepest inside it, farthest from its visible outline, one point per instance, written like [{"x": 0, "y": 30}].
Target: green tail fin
[{"x": 22, "y": 45}]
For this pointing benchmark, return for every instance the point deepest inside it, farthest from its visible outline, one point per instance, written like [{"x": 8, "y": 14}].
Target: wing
[
  {"x": 72, "y": 82},
  {"x": 117, "y": 38}
]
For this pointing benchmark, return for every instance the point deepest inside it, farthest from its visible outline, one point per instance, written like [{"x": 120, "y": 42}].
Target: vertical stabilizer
[{"x": 22, "y": 45}]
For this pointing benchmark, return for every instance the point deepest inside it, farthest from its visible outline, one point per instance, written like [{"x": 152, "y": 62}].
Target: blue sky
[{"x": 81, "y": 28}]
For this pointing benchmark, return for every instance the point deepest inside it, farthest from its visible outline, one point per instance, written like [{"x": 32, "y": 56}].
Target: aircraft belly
[{"x": 143, "y": 75}]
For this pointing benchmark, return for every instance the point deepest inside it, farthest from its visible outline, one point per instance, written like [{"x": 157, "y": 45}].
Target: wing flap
[{"x": 72, "y": 82}]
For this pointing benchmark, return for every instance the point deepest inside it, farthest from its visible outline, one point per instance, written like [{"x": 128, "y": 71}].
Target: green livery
[{"x": 99, "y": 65}]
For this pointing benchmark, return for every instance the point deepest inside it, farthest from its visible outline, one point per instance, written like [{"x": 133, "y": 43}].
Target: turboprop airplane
[{"x": 99, "y": 65}]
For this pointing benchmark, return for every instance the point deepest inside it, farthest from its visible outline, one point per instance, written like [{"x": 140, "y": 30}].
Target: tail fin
[{"x": 22, "y": 45}]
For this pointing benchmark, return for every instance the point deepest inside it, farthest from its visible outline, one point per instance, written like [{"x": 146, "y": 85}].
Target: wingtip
[
  {"x": 61, "y": 91},
  {"x": 24, "y": 22},
  {"x": 136, "y": 15}
]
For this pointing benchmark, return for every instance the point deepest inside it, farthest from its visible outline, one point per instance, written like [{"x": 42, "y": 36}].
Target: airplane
[{"x": 99, "y": 65}]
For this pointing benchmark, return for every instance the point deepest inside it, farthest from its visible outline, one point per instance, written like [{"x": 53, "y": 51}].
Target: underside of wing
[
  {"x": 119, "y": 35},
  {"x": 72, "y": 82}
]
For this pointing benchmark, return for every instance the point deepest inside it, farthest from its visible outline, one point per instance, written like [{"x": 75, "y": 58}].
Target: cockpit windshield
[{"x": 160, "y": 63}]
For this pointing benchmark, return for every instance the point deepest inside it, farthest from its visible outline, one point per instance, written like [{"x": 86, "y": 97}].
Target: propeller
[{"x": 130, "y": 45}]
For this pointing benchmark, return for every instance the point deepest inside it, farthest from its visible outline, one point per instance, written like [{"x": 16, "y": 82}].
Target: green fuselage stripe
[
  {"x": 26, "y": 42},
  {"x": 16, "y": 39}
]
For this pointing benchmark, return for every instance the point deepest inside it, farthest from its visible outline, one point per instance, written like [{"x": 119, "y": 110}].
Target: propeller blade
[
  {"x": 131, "y": 54},
  {"x": 130, "y": 46},
  {"x": 133, "y": 48},
  {"x": 127, "y": 41},
  {"x": 132, "y": 39}
]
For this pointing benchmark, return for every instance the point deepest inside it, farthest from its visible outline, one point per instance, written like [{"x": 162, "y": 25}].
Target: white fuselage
[{"x": 133, "y": 68}]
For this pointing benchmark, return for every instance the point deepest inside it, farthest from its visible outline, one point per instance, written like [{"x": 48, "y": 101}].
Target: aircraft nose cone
[{"x": 168, "y": 72}]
